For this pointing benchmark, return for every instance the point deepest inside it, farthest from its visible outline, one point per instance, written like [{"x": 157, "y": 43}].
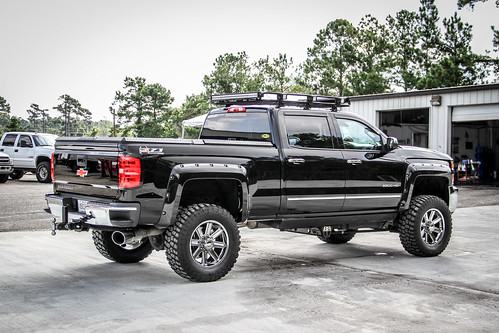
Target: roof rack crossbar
[{"x": 281, "y": 99}]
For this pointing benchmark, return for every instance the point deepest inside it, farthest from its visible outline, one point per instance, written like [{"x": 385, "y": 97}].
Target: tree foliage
[
  {"x": 76, "y": 118},
  {"x": 332, "y": 58},
  {"x": 143, "y": 109}
]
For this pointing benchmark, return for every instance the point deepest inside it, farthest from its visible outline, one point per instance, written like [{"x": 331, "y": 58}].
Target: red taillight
[
  {"x": 237, "y": 109},
  {"x": 52, "y": 166},
  {"x": 129, "y": 172}
]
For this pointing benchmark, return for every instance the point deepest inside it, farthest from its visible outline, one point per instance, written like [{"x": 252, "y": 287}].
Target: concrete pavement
[{"x": 281, "y": 282}]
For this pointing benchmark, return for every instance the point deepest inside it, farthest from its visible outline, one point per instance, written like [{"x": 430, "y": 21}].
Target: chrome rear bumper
[{"x": 98, "y": 213}]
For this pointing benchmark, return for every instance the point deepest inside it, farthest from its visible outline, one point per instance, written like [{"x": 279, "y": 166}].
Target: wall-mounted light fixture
[{"x": 436, "y": 100}]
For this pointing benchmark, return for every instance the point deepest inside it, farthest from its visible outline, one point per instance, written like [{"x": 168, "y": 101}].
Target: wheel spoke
[
  {"x": 220, "y": 245},
  {"x": 199, "y": 232},
  {"x": 196, "y": 253},
  {"x": 214, "y": 255},
  {"x": 207, "y": 231},
  {"x": 217, "y": 233}
]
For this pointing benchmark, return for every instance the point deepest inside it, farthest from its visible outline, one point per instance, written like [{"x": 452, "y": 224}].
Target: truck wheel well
[
  {"x": 436, "y": 186},
  {"x": 226, "y": 193},
  {"x": 41, "y": 159}
]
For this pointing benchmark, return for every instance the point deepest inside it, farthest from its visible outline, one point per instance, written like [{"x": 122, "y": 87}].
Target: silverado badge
[{"x": 82, "y": 172}]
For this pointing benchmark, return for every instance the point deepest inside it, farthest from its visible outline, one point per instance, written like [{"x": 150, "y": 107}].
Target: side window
[
  {"x": 310, "y": 132},
  {"x": 9, "y": 140},
  {"x": 25, "y": 141},
  {"x": 356, "y": 135}
]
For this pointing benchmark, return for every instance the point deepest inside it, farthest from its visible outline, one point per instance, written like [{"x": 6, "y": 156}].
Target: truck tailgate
[{"x": 87, "y": 166}]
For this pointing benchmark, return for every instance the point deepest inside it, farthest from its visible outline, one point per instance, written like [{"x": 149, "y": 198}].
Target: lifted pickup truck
[{"x": 286, "y": 161}]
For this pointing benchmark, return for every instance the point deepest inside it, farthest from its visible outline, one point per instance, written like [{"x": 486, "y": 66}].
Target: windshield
[{"x": 44, "y": 140}]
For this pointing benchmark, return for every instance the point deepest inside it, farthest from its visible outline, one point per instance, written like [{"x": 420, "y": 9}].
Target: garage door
[{"x": 475, "y": 112}]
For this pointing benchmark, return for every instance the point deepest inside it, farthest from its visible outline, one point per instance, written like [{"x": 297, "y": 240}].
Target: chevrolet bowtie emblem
[{"x": 82, "y": 172}]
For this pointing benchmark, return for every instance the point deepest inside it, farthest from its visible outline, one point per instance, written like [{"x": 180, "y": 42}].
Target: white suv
[{"x": 29, "y": 152}]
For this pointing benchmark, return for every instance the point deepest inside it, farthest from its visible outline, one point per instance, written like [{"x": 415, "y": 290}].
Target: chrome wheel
[
  {"x": 432, "y": 226},
  {"x": 209, "y": 243}
]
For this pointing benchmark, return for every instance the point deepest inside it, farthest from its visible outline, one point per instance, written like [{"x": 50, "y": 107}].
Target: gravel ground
[{"x": 478, "y": 195}]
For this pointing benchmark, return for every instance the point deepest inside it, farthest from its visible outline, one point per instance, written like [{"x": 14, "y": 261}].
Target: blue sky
[{"x": 86, "y": 48}]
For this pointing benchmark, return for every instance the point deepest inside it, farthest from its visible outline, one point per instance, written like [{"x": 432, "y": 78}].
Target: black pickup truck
[{"x": 291, "y": 162}]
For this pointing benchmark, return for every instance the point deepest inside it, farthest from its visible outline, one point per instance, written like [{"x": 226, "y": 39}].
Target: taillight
[
  {"x": 52, "y": 166},
  {"x": 237, "y": 109},
  {"x": 129, "y": 172},
  {"x": 453, "y": 172}
]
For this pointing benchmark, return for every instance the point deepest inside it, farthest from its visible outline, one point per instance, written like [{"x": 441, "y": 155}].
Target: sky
[{"x": 86, "y": 48}]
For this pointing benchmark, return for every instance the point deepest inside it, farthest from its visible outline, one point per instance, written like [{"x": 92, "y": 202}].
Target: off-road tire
[
  {"x": 104, "y": 244},
  {"x": 338, "y": 238},
  {"x": 17, "y": 174},
  {"x": 190, "y": 241},
  {"x": 430, "y": 238},
  {"x": 4, "y": 178},
  {"x": 43, "y": 172}
]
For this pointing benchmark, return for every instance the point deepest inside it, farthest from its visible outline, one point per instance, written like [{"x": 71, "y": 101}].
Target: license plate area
[{"x": 82, "y": 206}]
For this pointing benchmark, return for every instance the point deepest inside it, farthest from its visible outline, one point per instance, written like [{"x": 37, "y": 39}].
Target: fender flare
[
  {"x": 183, "y": 173},
  {"x": 423, "y": 169}
]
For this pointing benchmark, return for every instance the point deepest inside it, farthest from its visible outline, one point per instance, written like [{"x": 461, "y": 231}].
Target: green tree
[
  {"x": 232, "y": 73},
  {"x": 459, "y": 64},
  {"x": 429, "y": 35},
  {"x": 15, "y": 124},
  {"x": 4, "y": 114},
  {"x": 332, "y": 58},
  {"x": 76, "y": 118},
  {"x": 373, "y": 58},
  {"x": 404, "y": 36},
  {"x": 471, "y": 3},
  {"x": 34, "y": 113},
  {"x": 144, "y": 108},
  {"x": 275, "y": 74}
]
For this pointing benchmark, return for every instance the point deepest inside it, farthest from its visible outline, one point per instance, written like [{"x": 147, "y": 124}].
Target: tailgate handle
[{"x": 296, "y": 160}]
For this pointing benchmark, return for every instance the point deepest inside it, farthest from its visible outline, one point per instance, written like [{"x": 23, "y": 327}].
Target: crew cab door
[
  {"x": 24, "y": 152},
  {"x": 313, "y": 168},
  {"x": 374, "y": 180}
]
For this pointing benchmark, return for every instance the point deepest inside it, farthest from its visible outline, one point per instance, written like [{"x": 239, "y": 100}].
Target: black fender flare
[
  {"x": 423, "y": 169},
  {"x": 183, "y": 173}
]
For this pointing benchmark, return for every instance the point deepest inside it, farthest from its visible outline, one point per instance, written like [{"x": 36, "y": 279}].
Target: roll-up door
[{"x": 475, "y": 112}]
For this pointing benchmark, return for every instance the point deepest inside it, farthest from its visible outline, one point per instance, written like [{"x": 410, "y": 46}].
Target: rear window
[
  {"x": 244, "y": 126},
  {"x": 9, "y": 140}
]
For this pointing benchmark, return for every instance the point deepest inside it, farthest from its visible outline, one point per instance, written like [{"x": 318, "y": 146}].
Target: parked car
[
  {"x": 5, "y": 167},
  {"x": 29, "y": 152}
]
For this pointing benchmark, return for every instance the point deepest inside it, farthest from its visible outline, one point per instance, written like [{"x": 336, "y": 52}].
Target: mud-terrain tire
[
  {"x": 338, "y": 238},
  {"x": 17, "y": 174},
  {"x": 203, "y": 244},
  {"x": 425, "y": 228},
  {"x": 43, "y": 173},
  {"x": 125, "y": 255},
  {"x": 4, "y": 178}
]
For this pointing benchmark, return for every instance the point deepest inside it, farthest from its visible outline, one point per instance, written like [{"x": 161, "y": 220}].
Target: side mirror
[{"x": 391, "y": 143}]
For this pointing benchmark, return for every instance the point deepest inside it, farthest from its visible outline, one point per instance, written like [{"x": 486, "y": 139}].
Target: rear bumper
[{"x": 70, "y": 209}]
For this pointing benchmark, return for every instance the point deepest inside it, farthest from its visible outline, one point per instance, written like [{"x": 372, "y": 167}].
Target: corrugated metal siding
[{"x": 440, "y": 116}]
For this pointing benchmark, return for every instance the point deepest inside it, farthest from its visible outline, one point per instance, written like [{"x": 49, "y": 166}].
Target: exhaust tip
[{"x": 118, "y": 238}]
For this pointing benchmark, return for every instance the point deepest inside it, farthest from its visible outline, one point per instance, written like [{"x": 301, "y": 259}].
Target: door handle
[
  {"x": 1, "y": 149},
  {"x": 296, "y": 160},
  {"x": 354, "y": 161},
  {"x": 16, "y": 151}
]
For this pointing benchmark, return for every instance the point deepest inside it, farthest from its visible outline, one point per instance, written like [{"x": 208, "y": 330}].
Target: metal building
[{"x": 460, "y": 121}]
